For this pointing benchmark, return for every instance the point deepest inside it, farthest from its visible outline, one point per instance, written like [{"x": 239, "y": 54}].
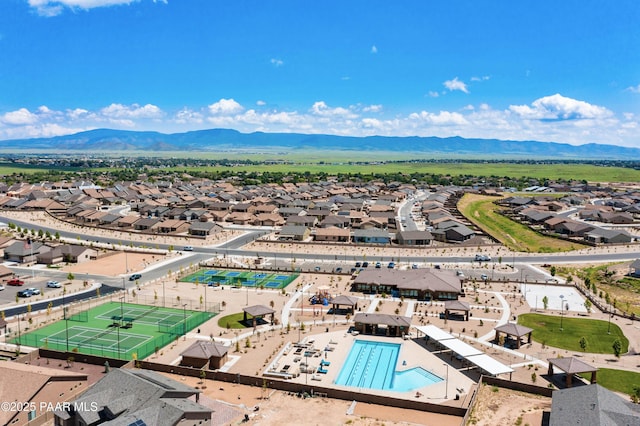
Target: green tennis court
[
  {"x": 117, "y": 330},
  {"x": 216, "y": 277}
]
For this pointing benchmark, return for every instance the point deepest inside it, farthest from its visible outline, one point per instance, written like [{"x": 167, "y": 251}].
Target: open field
[
  {"x": 480, "y": 210},
  {"x": 373, "y": 163},
  {"x": 546, "y": 329}
]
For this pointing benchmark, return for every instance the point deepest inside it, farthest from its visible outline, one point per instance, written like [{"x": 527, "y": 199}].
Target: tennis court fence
[{"x": 91, "y": 347}]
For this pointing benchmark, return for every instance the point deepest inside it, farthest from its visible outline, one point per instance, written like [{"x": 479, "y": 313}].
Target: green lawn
[
  {"x": 485, "y": 214},
  {"x": 616, "y": 380},
  {"x": 232, "y": 321},
  {"x": 546, "y": 329}
]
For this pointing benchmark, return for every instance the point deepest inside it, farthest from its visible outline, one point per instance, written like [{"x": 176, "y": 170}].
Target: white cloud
[
  {"x": 187, "y": 116},
  {"x": 374, "y": 49},
  {"x": 442, "y": 118},
  {"x": 49, "y": 8},
  {"x": 261, "y": 103},
  {"x": 276, "y": 62},
  {"x": 456, "y": 84},
  {"x": 483, "y": 78},
  {"x": 372, "y": 108},
  {"x": 133, "y": 111},
  {"x": 320, "y": 108},
  {"x": 558, "y": 107},
  {"x": 19, "y": 117},
  {"x": 633, "y": 89},
  {"x": 225, "y": 107},
  {"x": 433, "y": 94}
]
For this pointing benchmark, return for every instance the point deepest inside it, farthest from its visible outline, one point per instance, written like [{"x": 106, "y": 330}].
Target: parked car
[
  {"x": 1, "y": 287},
  {"x": 187, "y": 248},
  {"x": 358, "y": 264},
  {"x": 15, "y": 281},
  {"x": 378, "y": 265},
  {"x": 135, "y": 277},
  {"x": 338, "y": 270},
  {"x": 482, "y": 258},
  {"x": 391, "y": 265},
  {"x": 25, "y": 293},
  {"x": 484, "y": 277},
  {"x": 460, "y": 274},
  {"x": 365, "y": 264},
  {"x": 34, "y": 290},
  {"x": 414, "y": 266},
  {"x": 53, "y": 284}
]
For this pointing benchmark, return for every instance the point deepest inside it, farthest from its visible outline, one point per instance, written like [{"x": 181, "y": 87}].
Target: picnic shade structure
[
  {"x": 572, "y": 366},
  {"x": 516, "y": 331},
  {"x": 257, "y": 312},
  {"x": 456, "y": 305},
  {"x": 342, "y": 300}
]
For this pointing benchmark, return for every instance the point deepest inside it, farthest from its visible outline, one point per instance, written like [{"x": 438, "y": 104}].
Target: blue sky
[{"x": 543, "y": 70}]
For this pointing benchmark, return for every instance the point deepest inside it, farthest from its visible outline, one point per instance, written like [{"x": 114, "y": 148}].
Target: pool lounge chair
[
  {"x": 322, "y": 370},
  {"x": 325, "y": 363}
]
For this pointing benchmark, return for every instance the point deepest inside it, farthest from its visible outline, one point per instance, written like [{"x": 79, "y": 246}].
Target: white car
[
  {"x": 53, "y": 284},
  {"x": 1, "y": 287},
  {"x": 34, "y": 290}
]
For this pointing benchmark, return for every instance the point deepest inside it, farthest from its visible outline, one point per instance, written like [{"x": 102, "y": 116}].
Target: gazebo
[
  {"x": 457, "y": 305},
  {"x": 257, "y": 312},
  {"x": 393, "y": 325},
  {"x": 572, "y": 366},
  {"x": 515, "y": 331},
  {"x": 349, "y": 301}
]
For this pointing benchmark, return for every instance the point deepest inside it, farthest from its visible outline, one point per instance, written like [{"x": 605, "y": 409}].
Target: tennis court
[
  {"x": 117, "y": 330},
  {"x": 214, "y": 277}
]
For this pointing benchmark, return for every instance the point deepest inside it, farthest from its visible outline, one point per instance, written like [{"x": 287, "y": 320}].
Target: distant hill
[{"x": 102, "y": 140}]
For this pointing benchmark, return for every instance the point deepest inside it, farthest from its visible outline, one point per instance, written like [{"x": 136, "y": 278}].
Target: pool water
[{"x": 372, "y": 365}]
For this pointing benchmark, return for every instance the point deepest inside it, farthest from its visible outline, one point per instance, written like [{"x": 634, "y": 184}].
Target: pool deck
[{"x": 292, "y": 360}]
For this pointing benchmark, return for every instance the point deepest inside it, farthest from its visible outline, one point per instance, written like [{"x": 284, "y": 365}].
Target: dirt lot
[{"x": 503, "y": 407}]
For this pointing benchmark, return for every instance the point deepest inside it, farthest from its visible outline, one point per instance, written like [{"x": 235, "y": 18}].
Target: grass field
[
  {"x": 616, "y": 380},
  {"x": 546, "y": 329},
  {"x": 138, "y": 334},
  {"x": 346, "y": 162},
  {"x": 481, "y": 210},
  {"x": 232, "y": 321}
]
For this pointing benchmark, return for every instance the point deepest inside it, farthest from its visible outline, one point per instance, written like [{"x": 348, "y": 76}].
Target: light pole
[
  {"x": 66, "y": 320},
  {"x": 124, "y": 288},
  {"x": 446, "y": 383},
  {"x": 184, "y": 320},
  {"x": 561, "y": 310},
  {"x": 609, "y": 316},
  {"x": 120, "y": 323},
  {"x": 163, "y": 298}
]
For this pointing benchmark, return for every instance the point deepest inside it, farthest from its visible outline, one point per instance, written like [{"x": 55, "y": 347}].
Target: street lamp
[
  {"x": 120, "y": 322},
  {"x": 446, "y": 383},
  {"x": 561, "y": 310},
  {"x": 609, "y": 315},
  {"x": 66, "y": 320},
  {"x": 184, "y": 321},
  {"x": 124, "y": 288}
]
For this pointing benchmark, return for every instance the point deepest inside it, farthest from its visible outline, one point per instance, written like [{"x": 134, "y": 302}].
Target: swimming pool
[{"x": 372, "y": 365}]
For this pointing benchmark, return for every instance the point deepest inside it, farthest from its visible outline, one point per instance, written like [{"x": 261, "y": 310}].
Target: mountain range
[{"x": 109, "y": 140}]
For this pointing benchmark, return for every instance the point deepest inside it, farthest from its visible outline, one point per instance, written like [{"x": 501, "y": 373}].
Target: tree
[
  {"x": 545, "y": 302},
  {"x": 587, "y": 283},
  {"x": 553, "y": 271},
  {"x": 70, "y": 276},
  {"x": 617, "y": 348},
  {"x": 583, "y": 344},
  {"x": 587, "y": 305},
  {"x": 57, "y": 236}
]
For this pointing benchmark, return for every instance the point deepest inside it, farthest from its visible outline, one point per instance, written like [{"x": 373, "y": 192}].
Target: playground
[
  {"x": 117, "y": 330},
  {"x": 215, "y": 277}
]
